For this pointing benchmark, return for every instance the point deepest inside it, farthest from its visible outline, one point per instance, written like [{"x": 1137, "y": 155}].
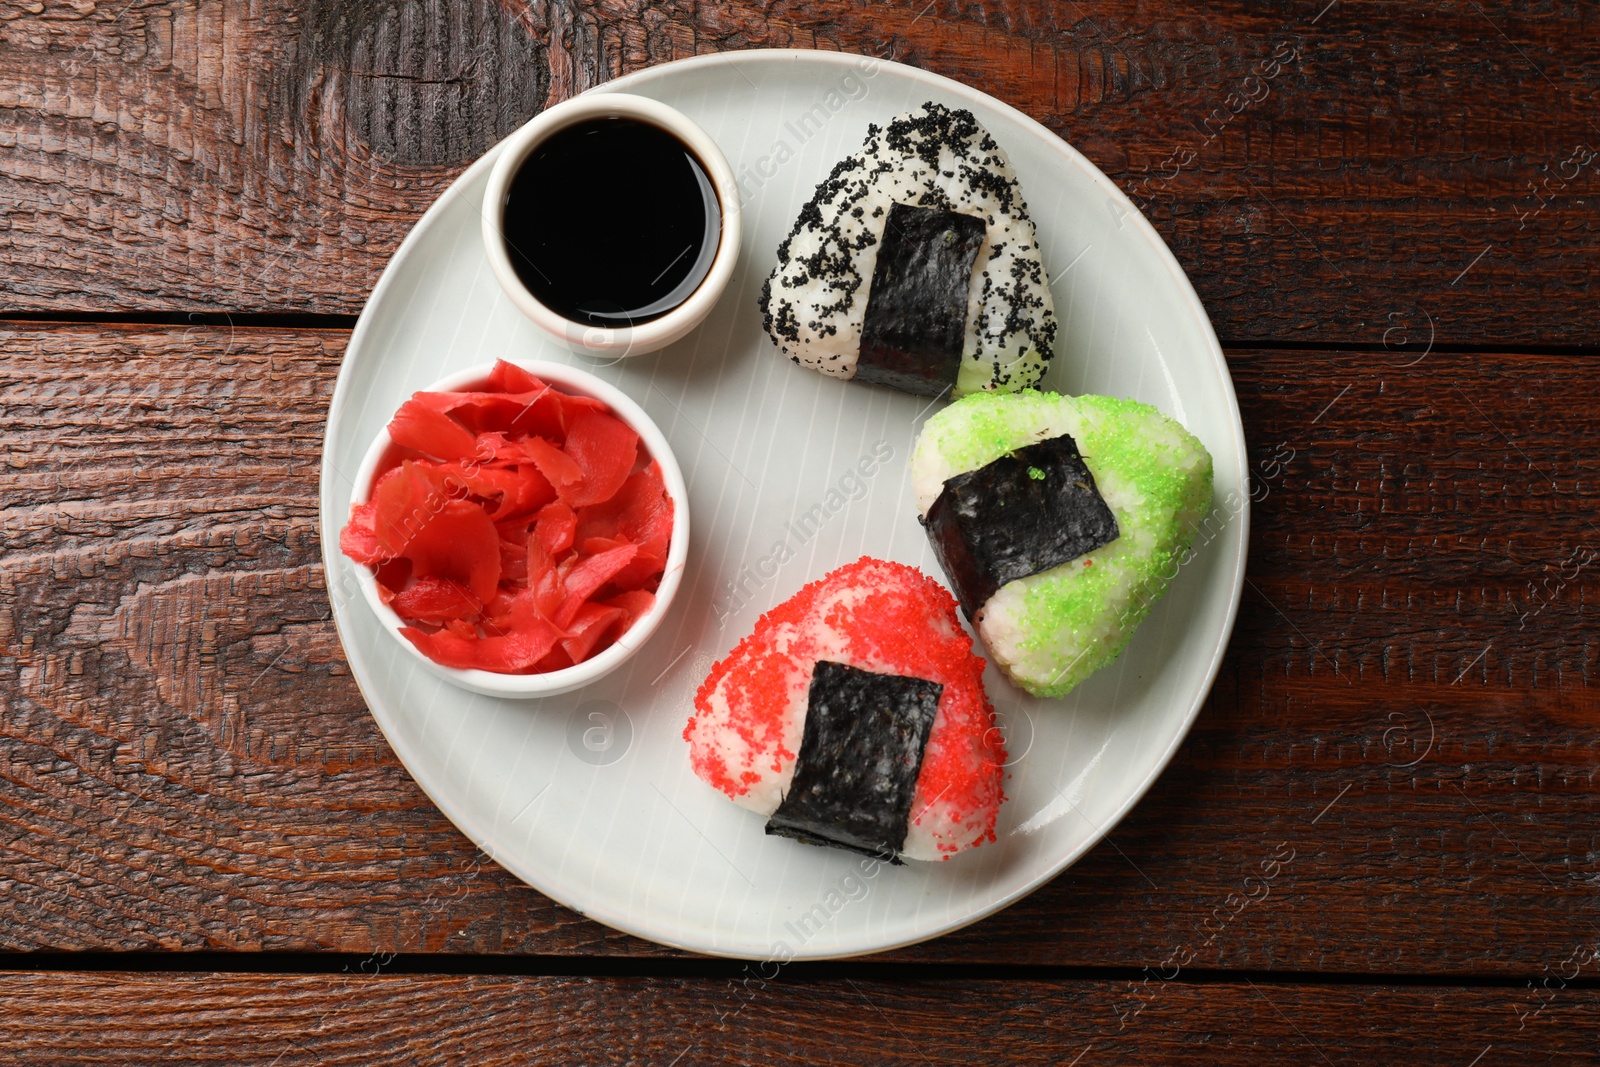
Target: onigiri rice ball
[
  {"x": 1052, "y": 629},
  {"x": 815, "y": 302},
  {"x": 750, "y": 713}
]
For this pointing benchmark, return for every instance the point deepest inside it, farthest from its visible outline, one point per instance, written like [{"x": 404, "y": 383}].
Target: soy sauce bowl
[
  {"x": 520, "y": 228},
  {"x": 571, "y": 380}
]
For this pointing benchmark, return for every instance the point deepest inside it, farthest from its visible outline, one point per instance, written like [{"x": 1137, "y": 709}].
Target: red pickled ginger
[{"x": 515, "y": 528}]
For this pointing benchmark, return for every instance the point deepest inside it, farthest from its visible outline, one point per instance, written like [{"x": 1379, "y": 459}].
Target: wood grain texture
[
  {"x": 1347, "y": 173},
  {"x": 1394, "y": 773},
  {"x": 186, "y": 762},
  {"x": 300, "y": 1020}
]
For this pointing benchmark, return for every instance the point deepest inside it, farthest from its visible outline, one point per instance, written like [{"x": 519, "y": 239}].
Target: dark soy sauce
[{"x": 612, "y": 222}]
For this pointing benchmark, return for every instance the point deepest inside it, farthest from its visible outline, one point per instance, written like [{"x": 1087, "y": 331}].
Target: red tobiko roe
[{"x": 516, "y": 529}]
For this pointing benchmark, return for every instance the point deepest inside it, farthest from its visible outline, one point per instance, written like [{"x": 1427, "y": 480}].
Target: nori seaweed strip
[
  {"x": 860, "y": 755},
  {"x": 916, "y": 318},
  {"x": 1026, "y": 512}
]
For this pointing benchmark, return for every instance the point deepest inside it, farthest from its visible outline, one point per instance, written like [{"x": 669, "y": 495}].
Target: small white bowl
[
  {"x": 568, "y": 379},
  {"x": 585, "y": 338}
]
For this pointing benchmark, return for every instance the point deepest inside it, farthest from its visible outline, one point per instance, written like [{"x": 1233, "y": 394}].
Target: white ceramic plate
[{"x": 589, "y": 796}]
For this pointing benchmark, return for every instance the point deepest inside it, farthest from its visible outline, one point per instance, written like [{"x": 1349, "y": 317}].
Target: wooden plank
[
  {"x": 1404, "y": 699},
  {"x": 293, "y": 1020},
  {"x": 1344, "y": 173},
  {"x": 187, "y": 762},
  {"x": 1401, "y": 735}
]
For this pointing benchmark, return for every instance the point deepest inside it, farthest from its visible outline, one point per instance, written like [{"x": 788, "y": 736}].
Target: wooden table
[{"x": 209, "y": 855}]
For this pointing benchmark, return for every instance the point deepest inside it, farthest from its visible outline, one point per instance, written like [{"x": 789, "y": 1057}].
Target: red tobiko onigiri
[{"x": 910, "y": 763}]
